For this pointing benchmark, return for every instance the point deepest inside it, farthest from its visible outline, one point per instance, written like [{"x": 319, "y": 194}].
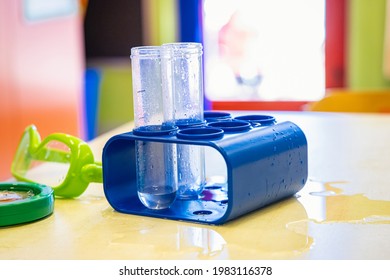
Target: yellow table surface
[{"x": 343, "y": 212}]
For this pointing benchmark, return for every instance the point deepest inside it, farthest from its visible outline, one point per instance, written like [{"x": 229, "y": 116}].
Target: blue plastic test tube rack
[{"x": 266, "y": 162}]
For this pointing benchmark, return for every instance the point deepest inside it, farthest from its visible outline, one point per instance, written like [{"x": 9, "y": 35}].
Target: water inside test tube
[
  {"x": 157, "y": 197},
  {"x": 185, "y": 68},
  {"x": 155, "y": 162},
  {"x": 215, "y": 170},
  {"x": 156, "y": 174},
  {"x": 191, "y": 177}
]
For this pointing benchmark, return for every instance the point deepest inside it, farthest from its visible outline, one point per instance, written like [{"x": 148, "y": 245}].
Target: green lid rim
[{"x": 29, "y": 209}]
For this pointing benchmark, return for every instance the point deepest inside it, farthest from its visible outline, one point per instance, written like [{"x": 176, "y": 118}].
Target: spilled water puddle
[
  {"x": 342, "y": 226},
  {"x": 326, "y": 203},
  {"x": 320, "y": 222}
]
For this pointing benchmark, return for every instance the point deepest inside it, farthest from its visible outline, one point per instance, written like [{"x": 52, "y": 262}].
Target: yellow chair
[{"x": 353, "y": 102}]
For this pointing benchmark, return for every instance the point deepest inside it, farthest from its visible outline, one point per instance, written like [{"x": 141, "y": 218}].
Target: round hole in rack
[
  {"x": 213, "y": 187},
  {"x": 202, "y": 212},
  {"x": 257, "y": 120},
  {"x": 200, "y": 133},
  {"x": 155, "y": 130},
  {"x": 187, "y": 123},
  {"x": 232, "y": 126},
  {"x": 215, "y": 116}
]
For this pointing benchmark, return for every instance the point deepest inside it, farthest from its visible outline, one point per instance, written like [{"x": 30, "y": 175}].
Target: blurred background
[{"x": 65, "y": 66}]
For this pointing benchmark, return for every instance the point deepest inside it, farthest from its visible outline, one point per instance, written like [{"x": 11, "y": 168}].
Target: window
[{"x": 263, "y": 50}]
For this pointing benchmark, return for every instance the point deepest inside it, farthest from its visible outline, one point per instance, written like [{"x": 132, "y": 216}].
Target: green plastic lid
[{"x": 22, "y": 202}]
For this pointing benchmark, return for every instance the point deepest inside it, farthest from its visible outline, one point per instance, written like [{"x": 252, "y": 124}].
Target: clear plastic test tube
[
  {"x": 185, "y": 69},
  {"x": 155, "y": 162}
]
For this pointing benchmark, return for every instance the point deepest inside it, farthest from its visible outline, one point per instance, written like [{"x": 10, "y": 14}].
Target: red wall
[{"x": 41, "y": 76}]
